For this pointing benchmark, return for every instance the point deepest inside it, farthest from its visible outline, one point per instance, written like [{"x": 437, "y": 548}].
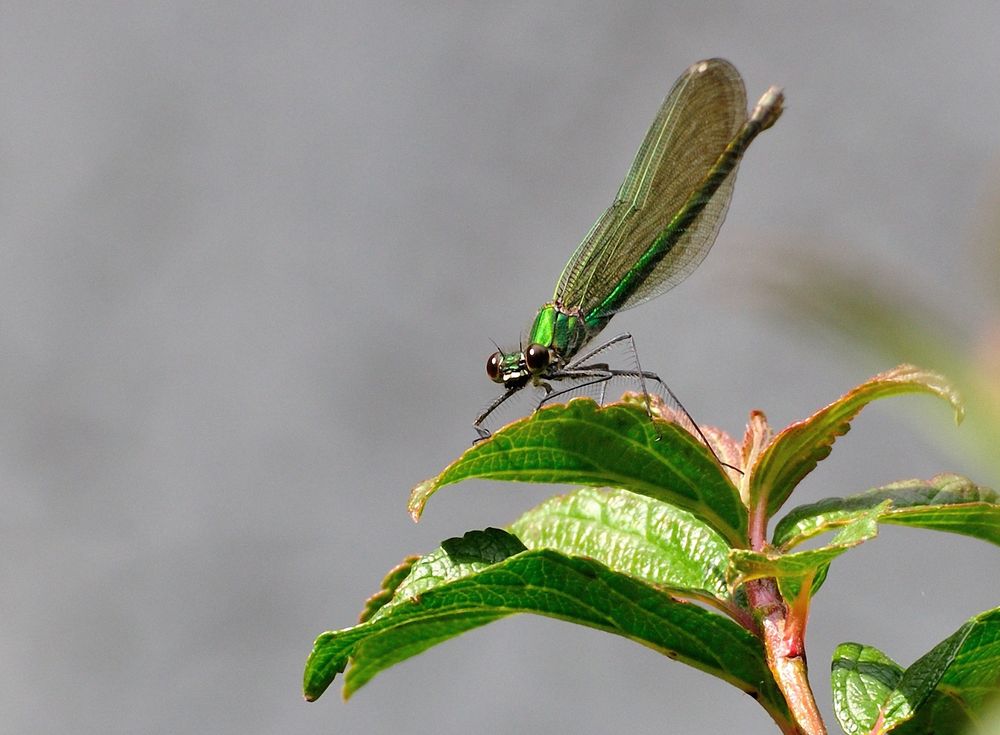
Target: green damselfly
[{"x": 656, "y": 232}]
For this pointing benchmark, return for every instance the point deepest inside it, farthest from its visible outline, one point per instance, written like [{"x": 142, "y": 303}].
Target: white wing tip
[{"x": 769, "y": 107}]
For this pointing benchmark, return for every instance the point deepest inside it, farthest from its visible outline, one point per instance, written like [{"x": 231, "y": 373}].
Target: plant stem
[{"x": 786, "y": 656}]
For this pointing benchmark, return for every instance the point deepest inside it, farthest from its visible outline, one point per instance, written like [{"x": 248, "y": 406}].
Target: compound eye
[
  {"x": 493, "y": 367},
  {"x": 536, "y": 357}
]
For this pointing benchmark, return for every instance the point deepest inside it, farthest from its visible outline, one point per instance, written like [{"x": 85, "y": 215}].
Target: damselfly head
[{"x": 512, "y": 368}]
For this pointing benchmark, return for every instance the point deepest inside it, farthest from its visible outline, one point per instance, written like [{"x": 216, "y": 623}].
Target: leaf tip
[
  {"x": 959, "y": 412},
  {"x": 311, "y": 690},
  {"x": 419, "y": 496},
  {"x": 931, "y": 381}
]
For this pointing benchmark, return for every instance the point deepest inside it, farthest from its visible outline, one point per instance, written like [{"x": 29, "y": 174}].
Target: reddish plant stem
[
  {"x": 785, "y": 655},
  {"x": 757, "y": 529}
]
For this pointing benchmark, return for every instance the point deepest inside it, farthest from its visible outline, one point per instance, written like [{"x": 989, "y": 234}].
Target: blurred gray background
[{"x": 254, "y": 255}]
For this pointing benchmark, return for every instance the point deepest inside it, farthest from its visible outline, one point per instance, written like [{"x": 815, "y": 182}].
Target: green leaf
[
  {"x": 797, "y": 450},
  {"x": 404, "y": 584},
  {"x": 966, "y": 669},
  {"x": 863, "y": 678},
  {"x": 943, "y": 692},
  {"x": 548, "y": 583},
  {"x": 796, "y": 569},
  {"x": 943, "y": 503},
  {"x": 632, "y": 534},
  {"x": 616, "y": 446}
]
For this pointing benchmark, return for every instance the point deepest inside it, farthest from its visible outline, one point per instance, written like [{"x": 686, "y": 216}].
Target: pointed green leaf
[
  {"x": 632, "y": 534},
  {"x": 797, "y": 450},
  {"x": 943, "y": 503},
  {"x": 943, "y": 692},
  {"x": 548, "y": 583},
  {"x": 615, "y": 446},
  {"x": 404, "y": 584},
  {"x": 796, "y": 569},
  {"x": 966, "y": 670}
]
